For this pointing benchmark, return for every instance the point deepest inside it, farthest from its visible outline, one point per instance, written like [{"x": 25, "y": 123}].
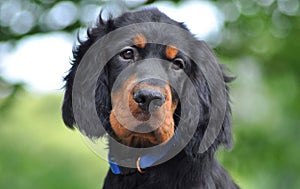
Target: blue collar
[
  {"x": 142, "y": 163},
  {"x": 145, "y": 161}
]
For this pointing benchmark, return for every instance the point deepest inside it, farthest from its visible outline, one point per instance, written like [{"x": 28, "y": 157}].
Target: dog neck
[
  {"x": 141, "y": 162},
  {"x": 203, "y": 170}
]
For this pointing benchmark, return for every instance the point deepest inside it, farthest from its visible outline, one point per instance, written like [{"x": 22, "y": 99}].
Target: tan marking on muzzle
[{"x": 126, "y": 111}]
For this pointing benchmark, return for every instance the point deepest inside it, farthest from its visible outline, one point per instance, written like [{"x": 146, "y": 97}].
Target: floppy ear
[
  {"x": 102, "y": 100},
  {"x": 78, "y": 53},
  {"x": 67, "y": 108},
  {"x": 102, "y": 95},
  {"x": 225, "y": 135},
  {"x": 203, "y": 56}
]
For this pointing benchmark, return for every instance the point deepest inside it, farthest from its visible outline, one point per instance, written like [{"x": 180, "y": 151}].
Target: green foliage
[
  {"x": 261, "y": 44},
  {"x": 8, "y": 93},
  {"x": 38, "y": 151}
]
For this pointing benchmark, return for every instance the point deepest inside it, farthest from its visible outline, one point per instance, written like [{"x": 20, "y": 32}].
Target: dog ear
[
  {"x": 102, "y": 95},
  {"x": 203, "y": 55},
  {"x": 67, "y": 108},
  {"x": 225, "y": 135},
  {"x": 102, "y": 101}
]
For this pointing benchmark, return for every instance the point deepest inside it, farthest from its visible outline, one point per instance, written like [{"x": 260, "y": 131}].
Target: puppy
[{"x": 157, "y": 92}]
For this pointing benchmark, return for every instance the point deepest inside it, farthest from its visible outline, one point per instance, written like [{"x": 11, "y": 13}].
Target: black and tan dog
[{"x": 142, "y": 103}]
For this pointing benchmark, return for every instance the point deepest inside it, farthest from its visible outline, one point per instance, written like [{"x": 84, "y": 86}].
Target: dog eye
[
  {"x": 179, "y": 63},
  {"x": 127, "y": 54}
]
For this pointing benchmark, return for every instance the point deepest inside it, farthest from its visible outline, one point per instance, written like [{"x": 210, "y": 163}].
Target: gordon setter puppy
[{"x": 154, "y": 99}]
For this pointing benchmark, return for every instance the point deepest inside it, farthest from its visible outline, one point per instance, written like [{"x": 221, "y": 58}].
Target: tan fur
[
  {"x": 126, "y": 114},
  {"x": 140, "y": 40},
  {"x": 171, "y": 52}
]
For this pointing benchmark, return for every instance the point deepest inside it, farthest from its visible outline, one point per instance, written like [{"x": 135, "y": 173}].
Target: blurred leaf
[{"x": 8, "y": 93}]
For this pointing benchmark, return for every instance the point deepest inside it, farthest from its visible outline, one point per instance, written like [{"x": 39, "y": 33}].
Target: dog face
[
  {"x": 138, "y": 108},
  {"x": 143, "y": 107}
]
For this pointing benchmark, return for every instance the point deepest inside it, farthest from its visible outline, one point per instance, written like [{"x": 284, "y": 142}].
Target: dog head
[{"x": 139, "y": 92}]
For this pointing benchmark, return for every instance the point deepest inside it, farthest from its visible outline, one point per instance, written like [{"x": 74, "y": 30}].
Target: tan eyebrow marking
[
  {"x": 171, "y": 52},
  {"x": 140, "y": 40}
]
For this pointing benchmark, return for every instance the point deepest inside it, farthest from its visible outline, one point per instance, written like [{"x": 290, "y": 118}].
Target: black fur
[{"x": 189, "y": 169}]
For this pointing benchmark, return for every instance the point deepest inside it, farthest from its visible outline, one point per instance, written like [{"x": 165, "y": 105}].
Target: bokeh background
[{"x": 259, "y": 40}]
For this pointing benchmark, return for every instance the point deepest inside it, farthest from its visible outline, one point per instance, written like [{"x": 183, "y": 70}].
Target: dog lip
[
  {"x": 142, "y": 135},
  {"x": 140, "y": 130},
  {"x": 142, "y": 116},
  {"x": 144, "y": 128},
  {"x": 127, "y": 134}
]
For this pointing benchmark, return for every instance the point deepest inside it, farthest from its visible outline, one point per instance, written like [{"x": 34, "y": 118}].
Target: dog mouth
[
  {"x": 141, "y": 140},
  {"x": 141, "y": 128},
  {"x": 144, "y": 139},
  {"x": 144, "y": 116}
]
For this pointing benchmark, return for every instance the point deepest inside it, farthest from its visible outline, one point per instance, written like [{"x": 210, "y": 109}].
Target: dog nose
[{"x": 149, "y": 100}]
